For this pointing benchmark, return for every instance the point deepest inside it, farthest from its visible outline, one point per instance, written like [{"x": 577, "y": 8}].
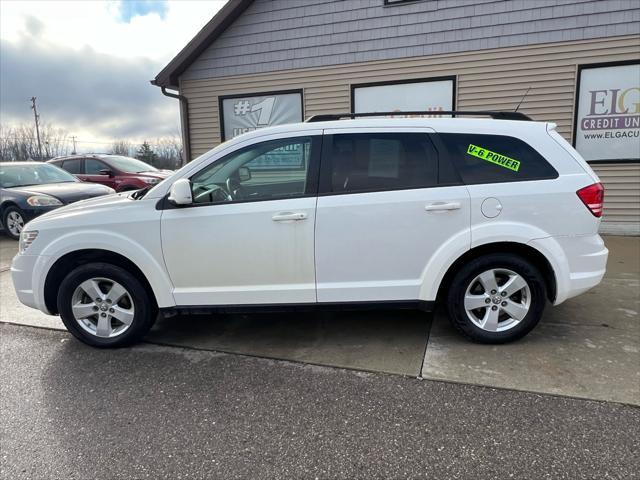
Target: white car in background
[{"x": 491, "y": 217}]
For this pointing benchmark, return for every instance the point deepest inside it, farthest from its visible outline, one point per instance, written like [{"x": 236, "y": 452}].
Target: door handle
[
  {"x": 442, "y": 206},
  {"x": 289, "y": 217}
]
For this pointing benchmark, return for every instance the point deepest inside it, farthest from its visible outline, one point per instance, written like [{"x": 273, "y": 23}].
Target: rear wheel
[
  {"x": 496, "y": 298},
  {"x": 13, "y": 222},
  {"x": 103, "y": 305}
]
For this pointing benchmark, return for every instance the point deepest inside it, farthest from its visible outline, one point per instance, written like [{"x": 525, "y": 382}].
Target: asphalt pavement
[{"x": 72, "y": 412}]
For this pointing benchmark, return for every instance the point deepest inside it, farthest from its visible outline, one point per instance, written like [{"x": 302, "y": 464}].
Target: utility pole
[
  {"x": 73, "y": 138},
  {"x": 37, "y": 118}
]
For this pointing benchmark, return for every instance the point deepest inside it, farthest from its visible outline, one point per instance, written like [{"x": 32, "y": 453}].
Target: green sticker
[{"x": 493, "y": 157}]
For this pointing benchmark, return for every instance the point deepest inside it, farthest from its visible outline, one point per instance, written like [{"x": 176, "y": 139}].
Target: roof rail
[{"x": 495, "y": 115}]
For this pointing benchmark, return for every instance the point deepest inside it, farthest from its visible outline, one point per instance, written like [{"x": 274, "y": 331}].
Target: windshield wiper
[{"x": 138, "y": 194}]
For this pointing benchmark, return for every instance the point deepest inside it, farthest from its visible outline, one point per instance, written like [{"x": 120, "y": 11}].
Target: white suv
[{"x": 491, "y": 217}]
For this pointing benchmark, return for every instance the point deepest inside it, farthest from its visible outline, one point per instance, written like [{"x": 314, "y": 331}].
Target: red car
[{"x": 115, "y": 171}]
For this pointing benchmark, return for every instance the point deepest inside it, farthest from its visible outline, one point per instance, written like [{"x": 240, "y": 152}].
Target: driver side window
[
  {"x": 265, "y": 171},
  {"x": 93, "y": 167}
]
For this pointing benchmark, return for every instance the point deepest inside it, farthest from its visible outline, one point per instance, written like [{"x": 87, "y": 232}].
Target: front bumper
[
  {"x": 579, "y": 262},
  {"x": 24, "y": 274}
]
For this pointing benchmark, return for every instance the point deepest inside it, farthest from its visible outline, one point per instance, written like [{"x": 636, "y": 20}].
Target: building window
[
  {"x": 606, "y": 125},
  {"x": 244, "y": 113},
  {"x": 424, "y": 95}
]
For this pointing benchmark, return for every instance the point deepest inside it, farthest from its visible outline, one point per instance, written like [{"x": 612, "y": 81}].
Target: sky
[{"x": 89, "y": 64}]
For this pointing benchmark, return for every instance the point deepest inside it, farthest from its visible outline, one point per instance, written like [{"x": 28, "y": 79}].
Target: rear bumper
[{"x": 579, "y": 262}]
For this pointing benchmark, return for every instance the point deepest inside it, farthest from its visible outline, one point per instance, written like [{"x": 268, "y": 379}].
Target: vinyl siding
[
  {"x": 488, "y": 79},
  {"x": 622, "y": 197},
  {"x": 273, "y": 35}
]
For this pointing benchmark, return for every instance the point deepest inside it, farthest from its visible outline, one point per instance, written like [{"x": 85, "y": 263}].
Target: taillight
[{"x": 593, "y": 197}]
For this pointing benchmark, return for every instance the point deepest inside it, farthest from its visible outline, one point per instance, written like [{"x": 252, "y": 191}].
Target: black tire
[
  {"x": 462, "y": 279},
  {"x": 145, "y": 309},
  {"x": 5, "y": 220}
]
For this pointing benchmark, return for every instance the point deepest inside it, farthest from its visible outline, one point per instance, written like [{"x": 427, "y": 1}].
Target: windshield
[
  {"x": 32, "y": 174},
  {"x": 130, "y": 165}
]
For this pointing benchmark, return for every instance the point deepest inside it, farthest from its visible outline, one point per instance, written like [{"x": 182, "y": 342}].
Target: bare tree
[
  {"x": 121, "y": 147},
  {"x": 55, "y": 141},
  {"x": 5, "y": 143},
  {"x": 168, "y": 152},
  {"x": 19, "y": 142}
]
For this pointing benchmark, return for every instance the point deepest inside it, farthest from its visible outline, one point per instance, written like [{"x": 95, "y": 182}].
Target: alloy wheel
[
  {"x": 497, "y": 300},
  {"x": 15, "y": 223},
  {"x": 102, "y": 307}
]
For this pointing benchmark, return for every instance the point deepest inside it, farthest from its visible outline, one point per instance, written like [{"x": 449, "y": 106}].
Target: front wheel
[
  {"x": 496, "y": 298},
  {"x": 13, "y": 222},
  {"x": 105, "y": 306}
]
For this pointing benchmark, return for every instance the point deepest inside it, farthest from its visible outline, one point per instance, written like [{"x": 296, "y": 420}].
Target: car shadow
[{"x": 391, "y": 341}]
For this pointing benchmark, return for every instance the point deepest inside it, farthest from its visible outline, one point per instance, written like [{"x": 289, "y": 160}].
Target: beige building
[{"x": 574, "y": 63}]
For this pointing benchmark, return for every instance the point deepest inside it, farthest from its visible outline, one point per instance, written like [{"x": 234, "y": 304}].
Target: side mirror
[
  {"x": 180, "y": 193},
  {"x": 244, "y": 174},
  {"x": 106, "y": 171}
]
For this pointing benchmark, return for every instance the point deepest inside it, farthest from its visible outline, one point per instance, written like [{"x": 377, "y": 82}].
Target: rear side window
[
  {"x": 378, "y": 161},
  {"x": 495, "y": 158},
  {"x": 72, "y": 166}
]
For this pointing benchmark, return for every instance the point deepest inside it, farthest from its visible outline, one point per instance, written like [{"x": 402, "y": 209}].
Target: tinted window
[
  {"x": 264, "y": 171},
  {"x": 495, "y": 158},
  {"x": 72, "y": 166},
  {"x": 380, "y": 161},
  {"x": 93, "y": 166}
]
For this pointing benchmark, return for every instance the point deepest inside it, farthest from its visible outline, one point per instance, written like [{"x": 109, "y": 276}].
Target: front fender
[{"x": 147, "y": 258}]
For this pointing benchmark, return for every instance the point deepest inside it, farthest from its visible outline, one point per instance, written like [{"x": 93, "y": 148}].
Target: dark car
[
  {"x": 115, "y": 171},
  {"x": 29, "y": 189}
]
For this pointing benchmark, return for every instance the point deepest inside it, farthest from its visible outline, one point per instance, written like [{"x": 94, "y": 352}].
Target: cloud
[
  {"x": 139, "y": 8},
  {"x": 76, "y": 88},
  {"x": 100, "y": 24},
  {"x": 34, "y": 26},
  {"x": 89, "y": 63}
]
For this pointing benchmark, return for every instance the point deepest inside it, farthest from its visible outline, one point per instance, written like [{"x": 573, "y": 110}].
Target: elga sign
[
  {"x": 608, "y": 120},
  {"x": 431, "y": 95},
  {"x": 243, "y": 114}
]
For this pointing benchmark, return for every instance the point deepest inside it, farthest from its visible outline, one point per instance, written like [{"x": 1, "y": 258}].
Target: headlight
[
  {"x": 151, "y": 181},
  {"x": 26, "y": 239},
  {"x": 43, "y": 201}
]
